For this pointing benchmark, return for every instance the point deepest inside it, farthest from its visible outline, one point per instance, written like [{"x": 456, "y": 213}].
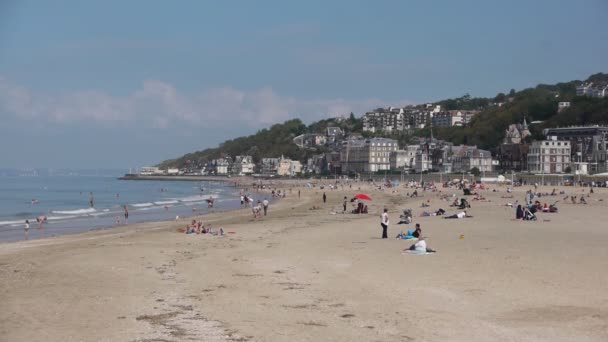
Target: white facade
[
  {"x": 243, "y": 165},
  {"x": 549, "y": 156},
  {"x": 367, "y": 155},
  {"x": 589, "y": 89},
  {"x": 403, "y": 159},
  {"x": 149, "y": 170},
  {"x": 288, "y": 167}
]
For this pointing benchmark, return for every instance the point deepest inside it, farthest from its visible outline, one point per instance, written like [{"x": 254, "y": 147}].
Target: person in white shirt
[
  {"x": 265, "y": 204},
  {"x": 460, "y": 215},
  {"x": 27, "y": 228},
  {"x": 384, "y": 223},
  {"x": 420, "y": 247}
]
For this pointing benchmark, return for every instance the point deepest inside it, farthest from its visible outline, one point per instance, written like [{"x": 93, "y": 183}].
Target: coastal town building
[
  {"x": 549, "y": 156},
  {"x": 150, "y": 171},
  {"x": 219, "y": 166},
  {"x": 404, "y": 159},
  {"x": 288, "y": 167},
  {"x": 334, "y": 133},
  {"x": 452, "y": 118},
  {"x": 592, "y": 90},
  {"x": 269, "y": 166},
  {"x": 367, "y": 155},
  {"x": 589, "y": 144},
  {"x": 243, "y": 165},
  {"x": 513, "y": 152},
  {"x": 562, "y": 106},
  {"x": 423, "y": 161},
  {"x": 383, "y": 119},
  {"x": 417, "y": 117},
  {"x": 309, "y": 140},
  {"x": 467, "y": 157}
]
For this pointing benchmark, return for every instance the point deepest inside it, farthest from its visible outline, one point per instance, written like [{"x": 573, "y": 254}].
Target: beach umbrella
[{"x": 363, "y": 197}]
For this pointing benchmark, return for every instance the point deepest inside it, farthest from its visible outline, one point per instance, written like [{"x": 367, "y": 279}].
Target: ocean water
[{"x": 65, "y": 201}]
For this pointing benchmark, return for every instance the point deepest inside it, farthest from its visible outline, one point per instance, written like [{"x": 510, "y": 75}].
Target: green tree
[{"x": 475, "y": 171}]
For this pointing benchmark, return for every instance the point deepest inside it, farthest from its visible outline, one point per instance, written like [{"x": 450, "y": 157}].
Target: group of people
[{"x": 199, "y": 228}]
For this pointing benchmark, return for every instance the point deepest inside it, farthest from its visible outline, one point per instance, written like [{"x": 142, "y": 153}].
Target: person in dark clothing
[
  {"x": 519, "y": 213},
  {"x": 344, "y": 203},
  {"x": 324, "y": 198}
]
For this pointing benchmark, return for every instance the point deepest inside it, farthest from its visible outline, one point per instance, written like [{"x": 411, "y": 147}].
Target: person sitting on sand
[
  {"x": 460, "y": 215},
  {"x": 420, "y": 247},
  {"x": 464, "y": 204},
  {"x": 582, "y": 200},
  {"x": 519, "y": 212}
]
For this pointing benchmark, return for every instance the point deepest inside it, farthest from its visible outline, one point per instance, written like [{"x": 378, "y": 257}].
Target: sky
[{"x": 125, "y": 84}]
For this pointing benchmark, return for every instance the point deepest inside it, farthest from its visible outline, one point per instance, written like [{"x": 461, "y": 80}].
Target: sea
[{"x": 65, "y": 201}]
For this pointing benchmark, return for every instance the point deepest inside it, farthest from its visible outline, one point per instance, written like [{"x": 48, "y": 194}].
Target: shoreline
[{"x": 311, "y": 275}]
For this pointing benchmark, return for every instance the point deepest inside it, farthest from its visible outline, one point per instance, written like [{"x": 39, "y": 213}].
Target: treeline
[{"x": 486, "y": 130}]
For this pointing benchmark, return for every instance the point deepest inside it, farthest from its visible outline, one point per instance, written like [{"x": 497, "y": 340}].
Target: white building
[
  {"x": 288, "y": 167},
  {"x": 549, "y": 156},
  {"x": 149, "y": 171},
  {"x": 243, "y": 165},
  {"x": 589, "y": 89},
  {"x": 367, "y": 155},
  {"x": 384, "y": 119},
  {"x": 403, "y": 159}
]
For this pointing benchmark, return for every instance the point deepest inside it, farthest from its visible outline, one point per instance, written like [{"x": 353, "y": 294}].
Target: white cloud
[{"x": 160, "y": 104}]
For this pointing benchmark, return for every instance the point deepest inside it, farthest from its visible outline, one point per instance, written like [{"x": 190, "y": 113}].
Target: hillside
[{"x": 486, "y": 130}]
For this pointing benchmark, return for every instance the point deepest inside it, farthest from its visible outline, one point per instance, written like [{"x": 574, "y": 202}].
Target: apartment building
[
  {"x": 367, "y": 155},
  {"x": 549, "y": 156}
]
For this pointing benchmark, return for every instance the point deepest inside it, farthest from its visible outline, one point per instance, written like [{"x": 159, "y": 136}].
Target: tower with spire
[{"x": 525, "y": 132}]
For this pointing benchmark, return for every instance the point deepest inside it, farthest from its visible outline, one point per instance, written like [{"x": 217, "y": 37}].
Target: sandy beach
[{"x": 320, "y": 275}]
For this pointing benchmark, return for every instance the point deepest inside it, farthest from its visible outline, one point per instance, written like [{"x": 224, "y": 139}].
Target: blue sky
[{"x": 131, "y": 83}]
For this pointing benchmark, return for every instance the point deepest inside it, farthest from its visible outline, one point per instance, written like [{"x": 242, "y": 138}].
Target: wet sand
[{"x": 320, "y": 275}]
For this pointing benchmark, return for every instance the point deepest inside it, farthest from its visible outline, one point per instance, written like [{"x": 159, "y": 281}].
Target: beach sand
[{"x": 320, "y": 275}]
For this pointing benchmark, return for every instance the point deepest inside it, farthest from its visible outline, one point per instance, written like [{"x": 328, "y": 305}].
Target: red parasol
[{"x": 363, "y": 197}]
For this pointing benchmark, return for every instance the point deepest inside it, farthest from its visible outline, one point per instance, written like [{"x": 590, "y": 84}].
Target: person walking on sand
[
  {"x": 344, "y": 204},
  {"x": 265, "y": 204},
  {"x": 126, "y": 215},
  {"x": 384, "y": 223},
  {"x": 324, "y": 198}
]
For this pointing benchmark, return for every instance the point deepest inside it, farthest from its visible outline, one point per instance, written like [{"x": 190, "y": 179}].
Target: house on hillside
[{"x": 243, "y": 165}]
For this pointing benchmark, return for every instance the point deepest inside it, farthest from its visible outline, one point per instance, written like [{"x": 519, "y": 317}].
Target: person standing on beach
[
  {"x": 265, "y": 204},
  {"x": 298, "y": 193},
  {"x": 324, "y": 198},
  {"x": 344, "y": 204},
  {"x": 27, "y": 228},
  {"x": 126, "y": 215},
  {"x": 384, "y": 223}
]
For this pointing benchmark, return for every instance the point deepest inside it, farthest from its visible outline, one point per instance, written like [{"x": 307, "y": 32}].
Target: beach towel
[
  {"x": 415, "y": 252},
  {"x": 410, "y": 238}
]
